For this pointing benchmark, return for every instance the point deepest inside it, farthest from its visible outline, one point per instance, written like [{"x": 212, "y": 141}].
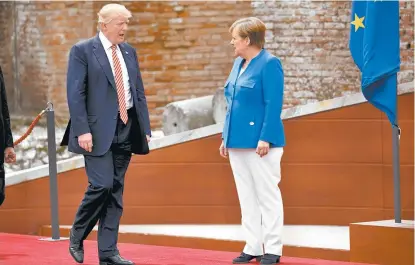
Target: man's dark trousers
[{"x": 103, "y": 199}]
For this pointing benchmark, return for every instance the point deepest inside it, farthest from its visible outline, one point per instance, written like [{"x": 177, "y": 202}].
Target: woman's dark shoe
[
  {"x": 245, "y": 258},
  {"x": 270, "y": 259}
]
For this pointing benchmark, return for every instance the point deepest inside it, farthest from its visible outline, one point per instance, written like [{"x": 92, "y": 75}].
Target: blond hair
[
  {"x": 252, "y": 28},
  {"x": 109, "y": 11}
]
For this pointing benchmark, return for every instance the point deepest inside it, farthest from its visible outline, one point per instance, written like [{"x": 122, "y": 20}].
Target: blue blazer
[
  {"x": 254, "y": 103},
  {"x": 93, "y": 101}
]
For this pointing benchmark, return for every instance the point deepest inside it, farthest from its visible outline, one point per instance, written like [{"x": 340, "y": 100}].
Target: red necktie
[{"x": 120, "y": 85}]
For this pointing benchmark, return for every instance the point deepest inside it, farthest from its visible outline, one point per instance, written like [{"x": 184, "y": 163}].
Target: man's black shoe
[
  {"x": 245, "y": 258},
  {"x": 115, "y": 260},
  {"x": 76, "y": 249}
]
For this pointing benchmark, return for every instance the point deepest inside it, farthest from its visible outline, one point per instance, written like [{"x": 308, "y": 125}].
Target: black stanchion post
[{"x": 53, "y": 178}]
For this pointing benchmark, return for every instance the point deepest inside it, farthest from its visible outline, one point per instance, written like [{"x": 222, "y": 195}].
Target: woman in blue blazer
[{"x": 253, "y": 138}]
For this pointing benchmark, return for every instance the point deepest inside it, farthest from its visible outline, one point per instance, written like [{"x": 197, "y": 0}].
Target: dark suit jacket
[
  {"x": 6, "y": 137},
  {"x": 92, "y": 98}
]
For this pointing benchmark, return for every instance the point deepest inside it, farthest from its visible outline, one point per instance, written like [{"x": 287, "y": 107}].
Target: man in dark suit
[
  {"x": 6, "y": 138},
  {"x": 109, "y": 121}
]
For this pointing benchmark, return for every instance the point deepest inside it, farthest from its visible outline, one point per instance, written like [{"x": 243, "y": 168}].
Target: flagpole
[{"x": 396, "y": 133}]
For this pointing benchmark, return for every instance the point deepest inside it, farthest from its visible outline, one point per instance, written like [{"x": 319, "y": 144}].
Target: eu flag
[{"x": 374, "y": 46}]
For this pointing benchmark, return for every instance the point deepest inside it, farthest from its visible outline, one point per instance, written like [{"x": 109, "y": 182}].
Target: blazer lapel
[
  {"x": 239, "y": 70},
  {"x": 102, "y": 58},
  {"x": 235, "y": 73}
]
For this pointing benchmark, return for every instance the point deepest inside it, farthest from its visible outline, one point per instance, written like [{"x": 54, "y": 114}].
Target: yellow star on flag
[{"x": 358, "y": 22}]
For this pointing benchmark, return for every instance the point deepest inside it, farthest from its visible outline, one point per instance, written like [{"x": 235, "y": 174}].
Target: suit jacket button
[{"x": 251, "y": 123}]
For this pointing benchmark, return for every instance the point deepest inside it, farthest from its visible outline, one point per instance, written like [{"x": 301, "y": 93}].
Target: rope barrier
[
  {"x": 30, "y": 129},
  {"x": 53, "y": 178}
]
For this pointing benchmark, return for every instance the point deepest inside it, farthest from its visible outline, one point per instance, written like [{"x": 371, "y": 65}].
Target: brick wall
[
  {"x": 407, "y": 41},
  {"x": 184, "y": 48},
  {"x": 44, "y": 33},
  {"x": 311, "y": 38},
  {"x": 7, "y": 50}
]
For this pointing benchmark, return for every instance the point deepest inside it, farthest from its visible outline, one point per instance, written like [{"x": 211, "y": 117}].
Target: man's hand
[
  {"x": 262, "y": 148},
  {"x": 9, "y": 155},
  {"x": 85, "y": 142},
  {"x": 223, "y": 151},
  {"x": 148, "y": 138}
]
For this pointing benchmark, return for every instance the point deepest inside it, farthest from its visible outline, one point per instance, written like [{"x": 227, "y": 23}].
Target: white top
[
  {"x": 107, "y": 47},
  {"x": 243, "y": 70}
]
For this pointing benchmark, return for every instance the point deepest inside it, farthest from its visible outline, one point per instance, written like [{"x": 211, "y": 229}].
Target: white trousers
[{"x": 260, "y": 199}]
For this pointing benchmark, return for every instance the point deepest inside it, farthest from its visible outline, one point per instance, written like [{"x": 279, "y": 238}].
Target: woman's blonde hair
[{"x": 250, "y": 27}]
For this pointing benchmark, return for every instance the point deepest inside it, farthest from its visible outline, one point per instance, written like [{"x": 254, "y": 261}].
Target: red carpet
[{"x": 28, "y": 250}]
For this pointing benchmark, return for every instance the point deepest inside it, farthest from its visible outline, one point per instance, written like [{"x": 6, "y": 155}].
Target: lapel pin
[{"x": 126, "y": 52}]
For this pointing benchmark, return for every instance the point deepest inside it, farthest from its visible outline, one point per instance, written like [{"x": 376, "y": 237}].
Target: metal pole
[
  {"x": 396, "y": 136},
  {"x": 396, "y": 133},
  {"x": 53, "y": 179}
]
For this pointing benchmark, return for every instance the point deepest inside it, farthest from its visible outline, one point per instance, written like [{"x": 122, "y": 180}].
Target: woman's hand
[
  {"x": 262, "y": 148},
  {"x": 223, "y": 151}
]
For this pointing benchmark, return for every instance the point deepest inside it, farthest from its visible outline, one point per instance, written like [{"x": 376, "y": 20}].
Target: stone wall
[{"x": 184, "y": 48}]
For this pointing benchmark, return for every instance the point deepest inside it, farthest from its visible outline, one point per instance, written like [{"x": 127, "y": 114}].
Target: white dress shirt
[{"x": 107, "y": 47}]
